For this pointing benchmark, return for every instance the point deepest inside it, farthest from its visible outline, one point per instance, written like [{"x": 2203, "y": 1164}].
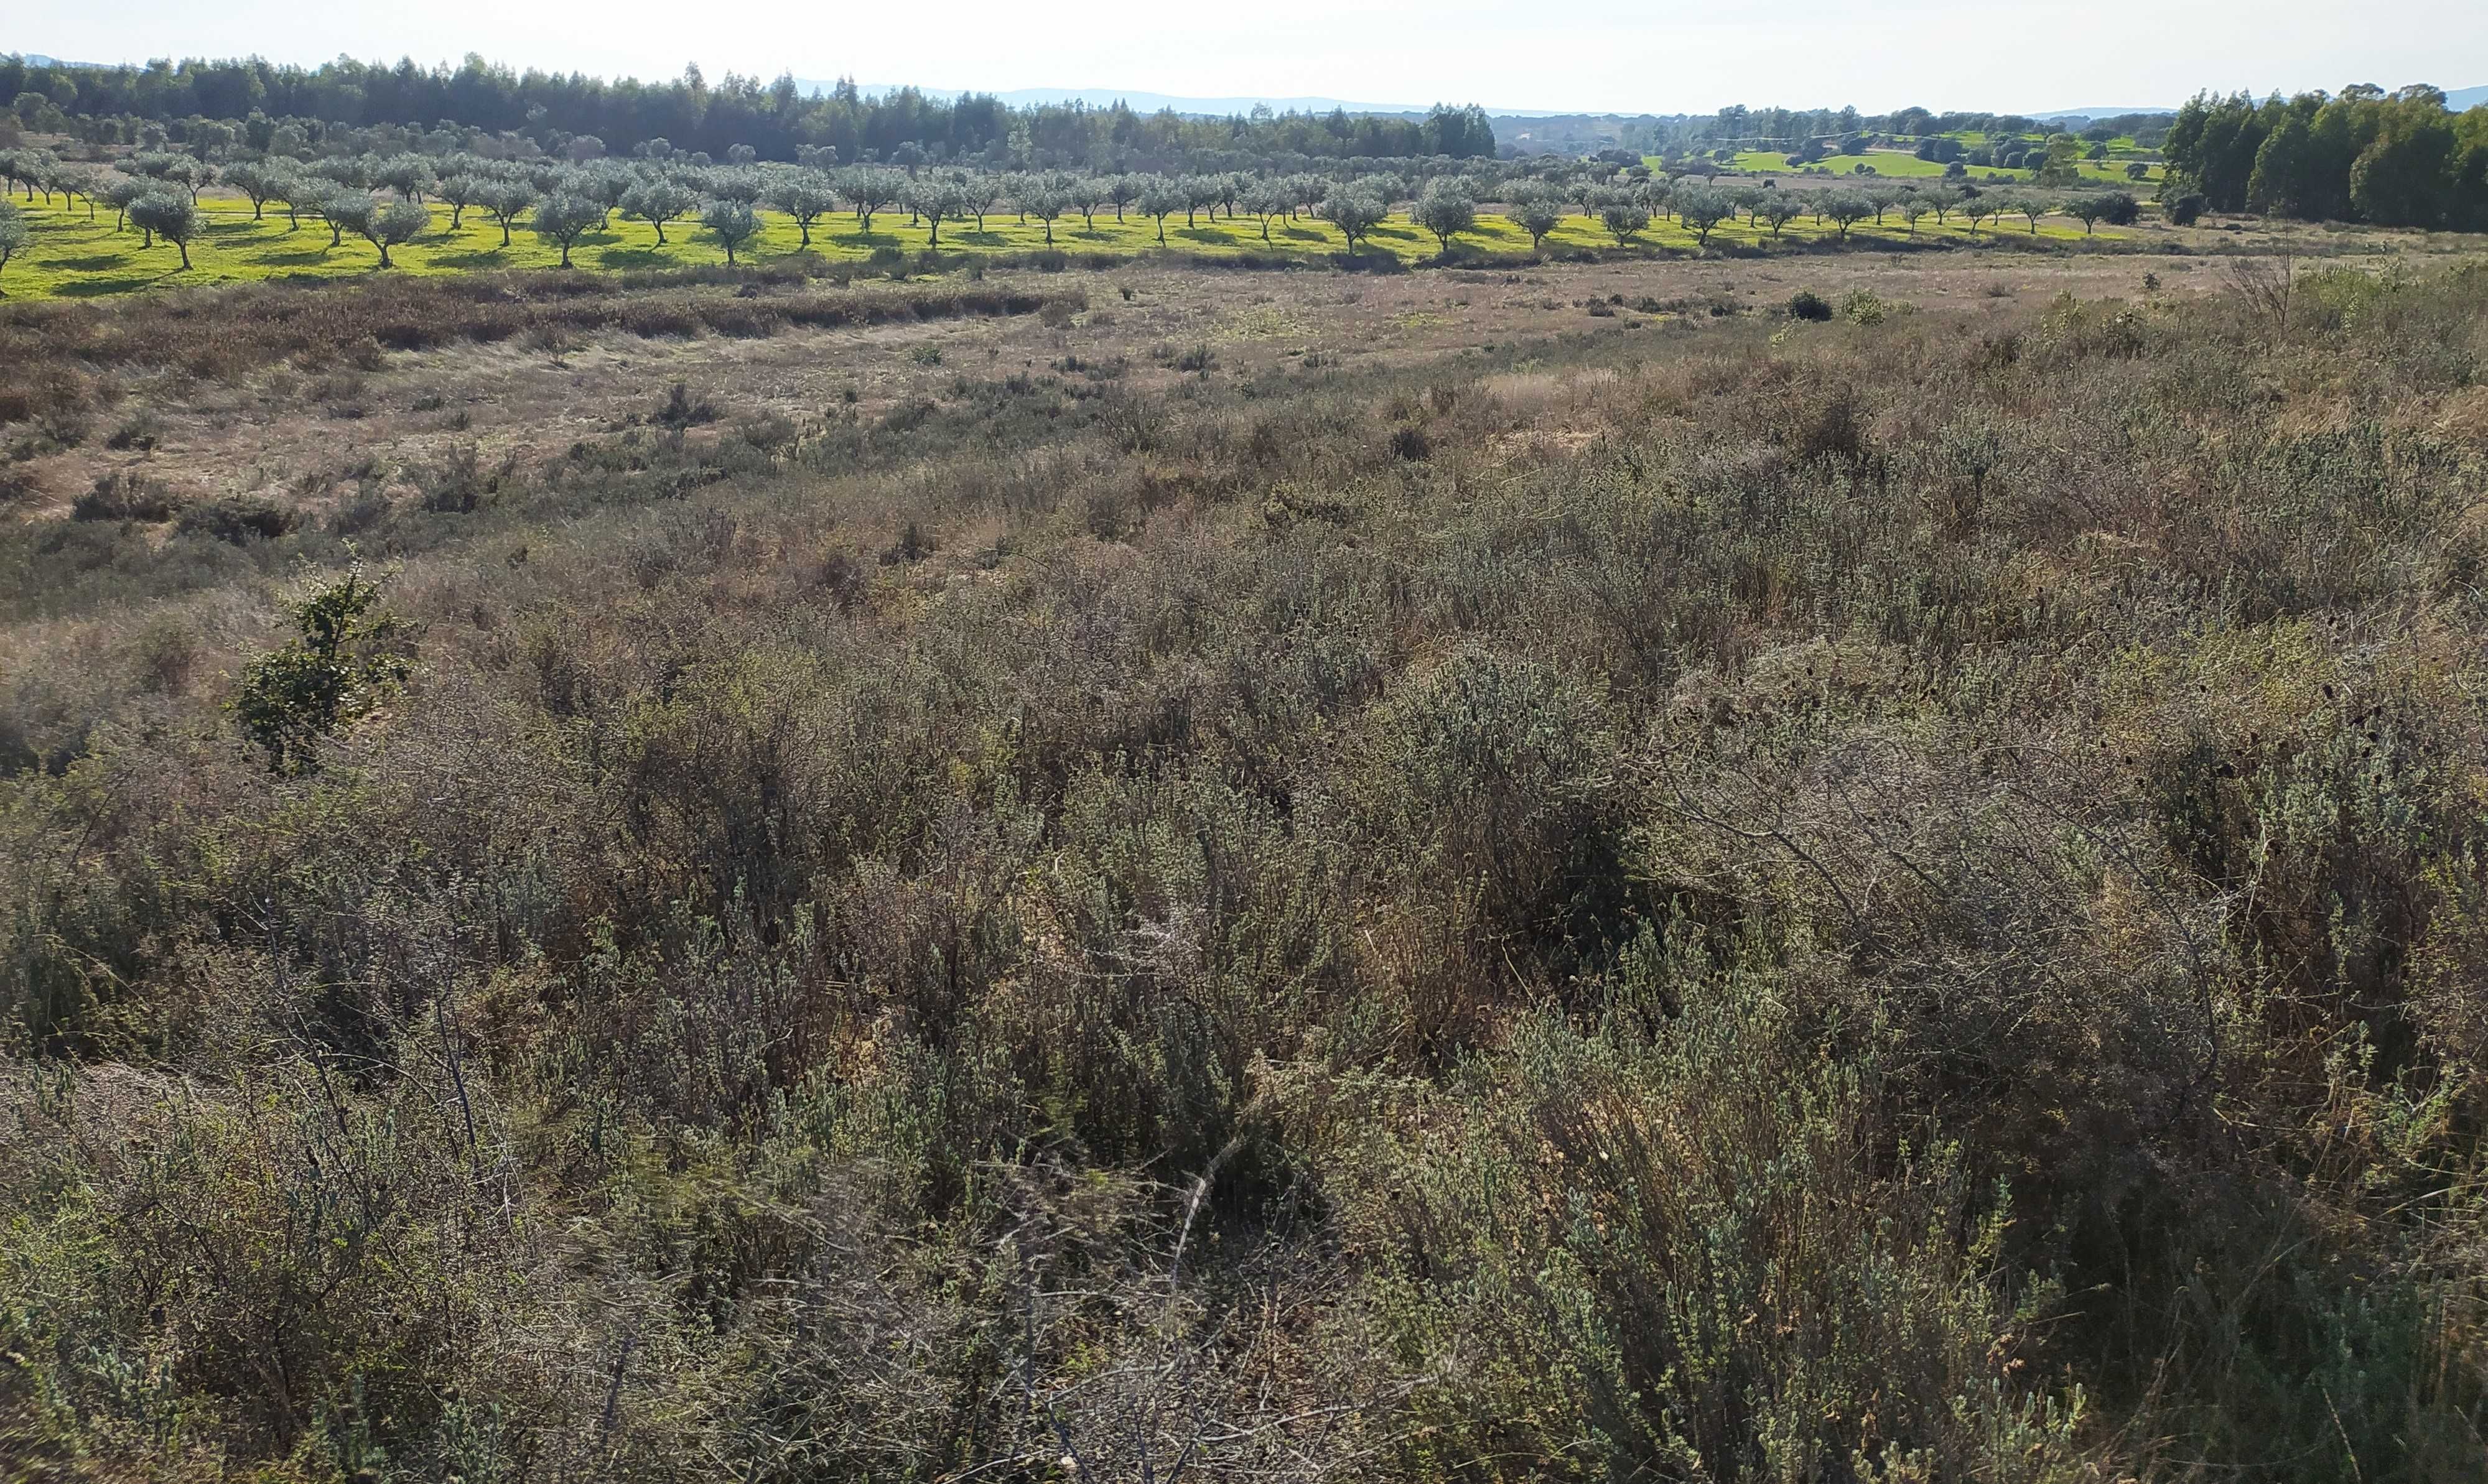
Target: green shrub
[{"x": 347, "y": 660}]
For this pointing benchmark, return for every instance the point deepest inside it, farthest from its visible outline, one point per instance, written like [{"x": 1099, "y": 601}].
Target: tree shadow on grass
[
  {"x": 97, "y": 287},
  {"x": 1206, "y": 237},
  {"x": 93, "y": 265},
  {"x": 978, "y": 238},
  {"x": 472, "y": 258},
  {"x": 865, "y": 240},
  {"x": 300, "y": 258},
  {"x": 648, "y": 256}
]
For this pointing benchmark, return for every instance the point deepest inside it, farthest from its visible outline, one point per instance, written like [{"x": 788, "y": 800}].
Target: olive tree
[
  {"x": 15, "y": 236},
  {"x": 1083, "y": 193},
  {"x": 733, "y": 223},
  {"x": 1913, "y": 209},
  {"x": 871, "y": 189},
  {"x": 258, "y": 181},
  {"x": 806, "y": 195},
  {"x": 1537, "y": 213},
  {"x": 1446, "y": 211},
  {"x": 407, "y": 175},
  {"x": 507, "y": 200},
  {"x": 164, "y": 215},
  {"x": 122, "y": 192},
  {"x": 1266, "y": 199},
  {"x": 1977, "y": 209},
  {"x": 1122, "y": 190},
  {"x": 1161, "y": 200},
  {"x": 460, "y": 189},
  {"x": 658, "y": 200},
  {"x": 937, "y": 201},
  {"x": 1845, "y": 209},
  {"x": 1046, "y": 204},
  {"x": 562, "y": 219},
  {"x": 1782, "y": 209},
  {"x": 1625, "y": 215},
  {"x": 386, "y": 226},
  {"x": 1354, "y": 213},
  {"x": 346, "y": 210},
  {"x": 1702, "y": 209}
]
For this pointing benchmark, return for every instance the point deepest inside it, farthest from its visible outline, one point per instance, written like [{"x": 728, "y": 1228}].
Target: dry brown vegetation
[{"x": 1486, "y": 876}]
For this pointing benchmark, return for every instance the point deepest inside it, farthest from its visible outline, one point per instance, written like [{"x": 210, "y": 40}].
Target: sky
[{"x": 1671, "y": 56}]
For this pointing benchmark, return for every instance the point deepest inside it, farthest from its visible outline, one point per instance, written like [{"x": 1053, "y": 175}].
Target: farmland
[{"x": 75, "y": 256}]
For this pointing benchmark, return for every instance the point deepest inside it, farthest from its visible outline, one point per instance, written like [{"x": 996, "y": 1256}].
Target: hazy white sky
[{"x": 1670, "y": 56}]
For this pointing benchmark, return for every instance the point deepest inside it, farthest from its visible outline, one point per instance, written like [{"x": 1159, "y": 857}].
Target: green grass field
[
  {"x": 76, "y": 257},
  {"x": 1902, "y": 165}
]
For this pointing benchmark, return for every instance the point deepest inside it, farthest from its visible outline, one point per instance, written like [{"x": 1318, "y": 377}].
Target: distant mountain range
[{"x": 2063, "y": 114}]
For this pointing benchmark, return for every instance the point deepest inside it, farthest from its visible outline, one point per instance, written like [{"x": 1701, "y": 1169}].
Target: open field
[
  {"x": 1905, "y": 166},
  {"x": 74, "y": 257}
]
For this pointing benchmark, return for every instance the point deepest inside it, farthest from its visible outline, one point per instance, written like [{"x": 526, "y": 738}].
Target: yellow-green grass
[
  {"x": 1897, "y": 165},
  {"x": 74, "y": 257}
]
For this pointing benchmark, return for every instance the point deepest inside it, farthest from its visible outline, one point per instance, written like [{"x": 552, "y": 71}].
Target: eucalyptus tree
[
  {"x": 732, "y": 223},
  {"x": 657, "y": 201}
]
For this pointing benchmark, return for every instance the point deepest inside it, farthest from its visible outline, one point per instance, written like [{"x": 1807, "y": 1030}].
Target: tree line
[
  {"x": 777, "y": 117},
  {"x": 2397, "y": 159}
]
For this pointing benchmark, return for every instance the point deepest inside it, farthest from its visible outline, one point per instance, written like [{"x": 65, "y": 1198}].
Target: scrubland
[{"x": 1130, "y": 875}]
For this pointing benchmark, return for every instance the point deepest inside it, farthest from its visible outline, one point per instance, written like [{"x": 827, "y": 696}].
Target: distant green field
[
  {"x": 76, "y": 257},
  {"x": 1902, "y": 165}
]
